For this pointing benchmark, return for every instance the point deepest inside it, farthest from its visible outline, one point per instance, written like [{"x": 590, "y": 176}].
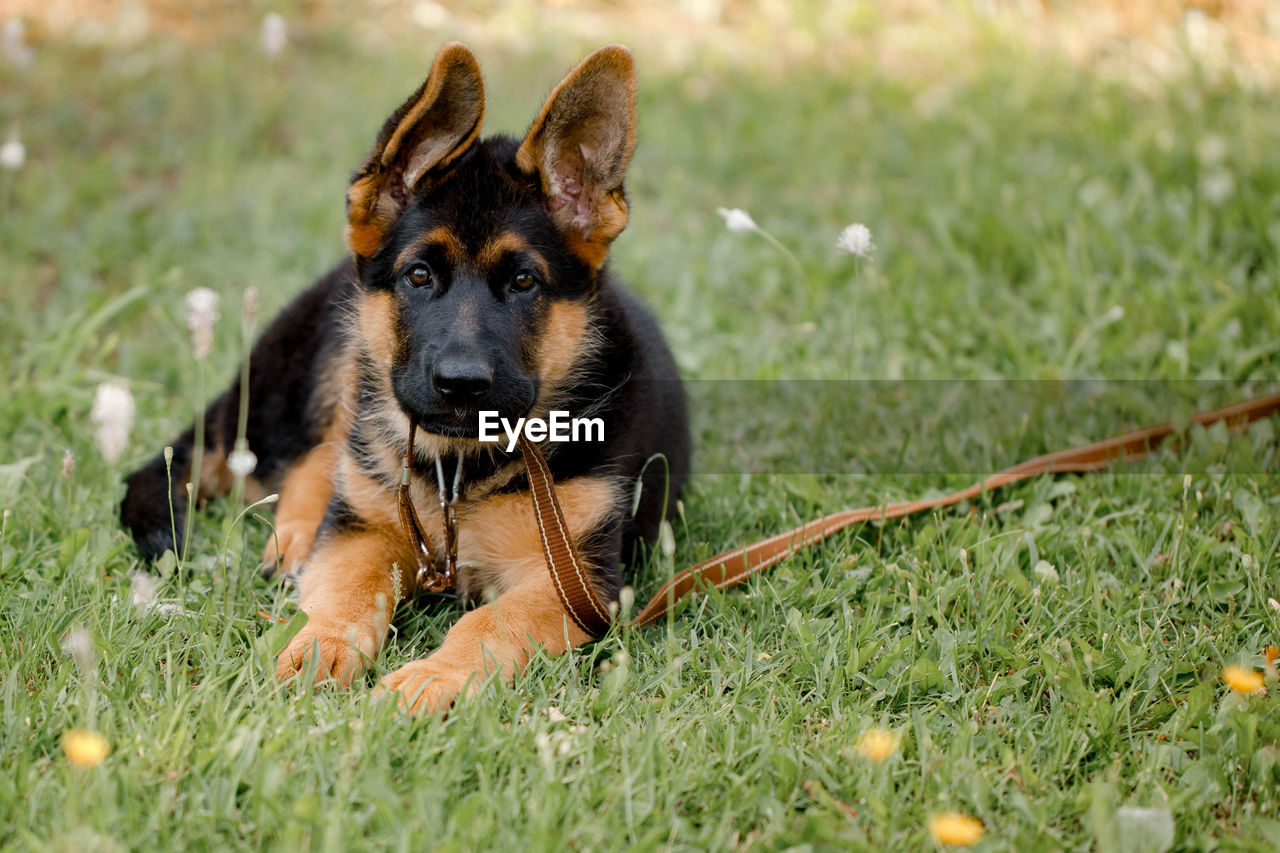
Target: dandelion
[
  {"x": 955, "y": 828},
  {"x": 856, "y": 240},
  {"x": 1272, "y": 675},
  {"x": 202, "y": 313},
  {"x": 878, "y": 744},
  {"x": 112, "y": 413},
  {"x": 85, "y": 748},
  {"x": 737, "y": 219},
  {"x": 13, "y": 153},
  {"x": 275, "y": 34},
  {"x": 242, "y": 461},
  {"x": 1241, "y": 680}
]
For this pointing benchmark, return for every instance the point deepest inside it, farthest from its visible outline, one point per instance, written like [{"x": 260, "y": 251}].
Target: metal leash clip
[
  {"x": 432, "y": 575},
  {"x": 448, "y": 576}
]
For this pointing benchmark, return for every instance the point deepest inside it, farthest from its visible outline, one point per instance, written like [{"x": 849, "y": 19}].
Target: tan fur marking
[
  {"x": 304, "y": 497},
  {"x": 499, "y": 637},
  {"x": 370, "y": 499},
  {"x": 560, "y": 344},
  {"x": 509, "y": 242},
  {"x": 378, "y": 326},
  {"x": 216, "y": 478},
  {"x": 500, "y": 546},
  {"x": 348, "y": 593},
  {"x": 499, "y": 537},
  {"x": 438, "y": 237}
]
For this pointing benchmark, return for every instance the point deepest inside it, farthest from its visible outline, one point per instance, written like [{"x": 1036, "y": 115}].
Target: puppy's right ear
[{"x": 429, "y": 131}]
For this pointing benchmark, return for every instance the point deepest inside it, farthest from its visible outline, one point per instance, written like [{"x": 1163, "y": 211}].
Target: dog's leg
[
  {"x": 348, "y": 591},
  {"x": 500, "y": 637},
  {"x": 304, "y": 497}
]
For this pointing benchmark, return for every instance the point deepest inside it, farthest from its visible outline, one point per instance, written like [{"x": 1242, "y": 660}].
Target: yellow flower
[
  {"x": 955, "y": 828},
  {"x": 84, "y": 747},
  {"x": 1242, "y": 680},
  {"x": 877, "y": 744}
]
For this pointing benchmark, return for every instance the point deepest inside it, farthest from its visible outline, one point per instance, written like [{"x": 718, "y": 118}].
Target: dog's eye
[
  {"x": 419, "y": 275},
  {"x": 523, "y": 281}
]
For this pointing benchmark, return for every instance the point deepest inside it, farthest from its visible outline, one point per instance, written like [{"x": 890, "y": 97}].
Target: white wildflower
[
  {"x": 13, "y": 44},
  {"x": 249, "y": 306},
  {"x": 737, "y": 219},
  {"x": 1273, "y": 604},
  {"x": 1217, "y": 185},
  {"x": 202, "y": 313},
  {"x": 79, "y": 645},
  {"x": 142, "y": 589},
  {"x": 1211, "y": 150},
  {"x": 112, "y": 413},
  {"x": 429, "y": 15},
  {"x": 68, "y": 465},
  {"x": 13, "y": 154},
  {"x": 242, "y": 461},
  {"x": 275, "y": 34},
  {"x": 856, "y": 240},
  {"x": 553, "y": 714}
]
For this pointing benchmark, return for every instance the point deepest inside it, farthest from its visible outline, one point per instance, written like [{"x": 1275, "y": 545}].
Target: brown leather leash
[{"x": 582, "y": 603}]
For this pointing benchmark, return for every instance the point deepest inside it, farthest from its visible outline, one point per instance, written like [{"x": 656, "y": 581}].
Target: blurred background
[
  {"x": 1155, "y": 39},
  {"x": 1052, "y": 190}
]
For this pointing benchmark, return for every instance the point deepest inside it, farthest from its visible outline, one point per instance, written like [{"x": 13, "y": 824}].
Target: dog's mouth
[
  {"x": 464, "y": 422},
  {"x": 451, "y": 426}
]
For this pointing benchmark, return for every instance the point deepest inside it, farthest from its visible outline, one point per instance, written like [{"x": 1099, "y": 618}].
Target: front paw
[
  {"x": 336, "y": 649},
  {"x": 288, "y": 547},
  {"x": 425, "y": 687}
]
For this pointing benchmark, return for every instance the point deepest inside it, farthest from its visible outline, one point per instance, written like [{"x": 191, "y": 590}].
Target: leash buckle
[{"x": 433, "y": 574}]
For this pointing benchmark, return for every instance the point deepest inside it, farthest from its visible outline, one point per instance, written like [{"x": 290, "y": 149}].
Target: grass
[{"x": 1050, "y": 657}]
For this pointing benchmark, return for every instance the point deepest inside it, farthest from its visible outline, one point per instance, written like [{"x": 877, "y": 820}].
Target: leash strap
[
  {"x": 582, "y": 603},
  {"x": 572, "y": 578}
]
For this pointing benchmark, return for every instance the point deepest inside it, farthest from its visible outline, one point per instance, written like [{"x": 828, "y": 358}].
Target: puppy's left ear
[{"x": 579, "y": 147}]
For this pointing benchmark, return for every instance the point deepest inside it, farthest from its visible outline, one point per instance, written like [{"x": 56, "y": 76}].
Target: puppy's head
[{"x": 479, "y": 259}]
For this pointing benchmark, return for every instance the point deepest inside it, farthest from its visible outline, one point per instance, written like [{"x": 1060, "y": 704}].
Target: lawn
[{"x": 1050, "y": 655}]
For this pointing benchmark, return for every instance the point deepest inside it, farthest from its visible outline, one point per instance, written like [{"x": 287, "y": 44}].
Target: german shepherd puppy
[{"x": 477, "y": 282}]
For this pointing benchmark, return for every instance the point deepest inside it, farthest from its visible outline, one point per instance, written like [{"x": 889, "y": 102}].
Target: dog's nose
[{"x": 462, "y": 380}]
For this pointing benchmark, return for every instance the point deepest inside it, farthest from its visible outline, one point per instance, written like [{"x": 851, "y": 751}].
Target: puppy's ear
[
  {"x": 429, "y": 131},
  {"x": 579, "y": 147}
]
